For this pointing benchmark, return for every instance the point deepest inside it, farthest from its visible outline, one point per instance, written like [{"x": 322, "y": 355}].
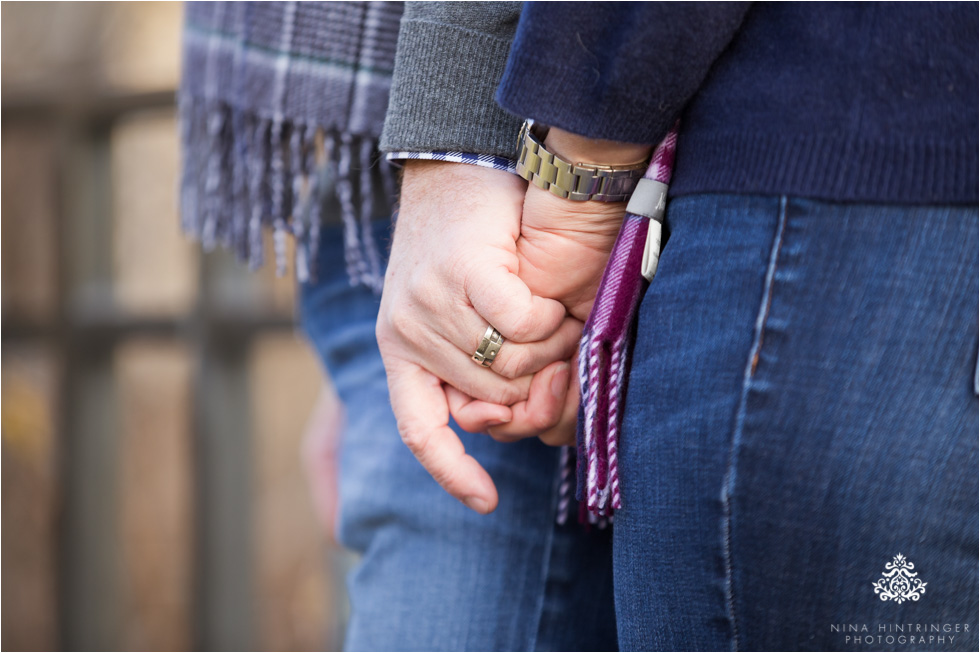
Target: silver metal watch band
[{"x": 573, "y": 181}]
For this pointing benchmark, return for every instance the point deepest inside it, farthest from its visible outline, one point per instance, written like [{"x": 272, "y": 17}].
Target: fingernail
[
  {"x": 498, "y": 422},
  {"x": 559, "y": 382},
  {"x": 477, "y": 504}
]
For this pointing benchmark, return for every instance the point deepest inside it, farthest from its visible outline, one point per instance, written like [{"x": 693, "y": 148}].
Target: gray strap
[{"x": 649, "y": 200}]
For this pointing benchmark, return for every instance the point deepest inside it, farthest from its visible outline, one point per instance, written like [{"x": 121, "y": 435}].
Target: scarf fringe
[
  {"x": 604, "y": 359},
  {"x": 243, "y": 174},
  {"x": 604, "y": 356}
]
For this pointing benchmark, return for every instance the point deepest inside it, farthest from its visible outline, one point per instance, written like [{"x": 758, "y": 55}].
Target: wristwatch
[{"x": 573, "y": 181}]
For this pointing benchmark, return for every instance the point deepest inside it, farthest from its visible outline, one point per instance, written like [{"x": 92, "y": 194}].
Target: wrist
[
  {"x": 440, "y": 193},
  {"x": 449, "y": 175},
  {"x": 581, "y": 149},
  {"x": 583, "y": 172}
]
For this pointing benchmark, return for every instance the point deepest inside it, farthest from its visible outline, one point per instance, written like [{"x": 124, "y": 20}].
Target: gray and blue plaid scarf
[{"x": 280, "y": 104}]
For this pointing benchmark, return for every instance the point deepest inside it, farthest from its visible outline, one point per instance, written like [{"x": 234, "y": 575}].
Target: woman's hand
[
  {"x": 452, "y": 271},
  {"x": 562, "y": 252}
]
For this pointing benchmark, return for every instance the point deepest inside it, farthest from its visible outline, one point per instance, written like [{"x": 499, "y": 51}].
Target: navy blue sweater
[{"x": 868, "y": 102}]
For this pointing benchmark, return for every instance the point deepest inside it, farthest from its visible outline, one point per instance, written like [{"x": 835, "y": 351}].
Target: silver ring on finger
[{"x": 489, "y": 347}]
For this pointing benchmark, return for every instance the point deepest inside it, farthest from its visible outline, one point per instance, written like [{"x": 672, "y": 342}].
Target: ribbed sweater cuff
[
  {"x": 837, "y": 167},
  {"x": 561, "y": 96},
  {"x": 438, "y": 104}
]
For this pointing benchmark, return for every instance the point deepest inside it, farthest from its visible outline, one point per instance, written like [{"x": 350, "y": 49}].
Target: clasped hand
[{"x": 472, "y": 247}]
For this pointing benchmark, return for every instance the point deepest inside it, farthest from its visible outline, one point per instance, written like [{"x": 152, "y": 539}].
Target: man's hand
[{"x": 453, "y": 269}]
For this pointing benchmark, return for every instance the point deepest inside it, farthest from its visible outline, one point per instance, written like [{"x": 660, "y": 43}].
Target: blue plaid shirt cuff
[{"x": 483, "y": 160}]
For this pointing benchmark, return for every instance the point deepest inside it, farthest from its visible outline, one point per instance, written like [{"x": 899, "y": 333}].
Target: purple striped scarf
[{"x": 604, "y": 360}]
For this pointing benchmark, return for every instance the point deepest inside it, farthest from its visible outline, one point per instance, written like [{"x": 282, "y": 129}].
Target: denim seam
[
  {"x": 750, "y": 367},
  {"x": 546, "y": 562}
]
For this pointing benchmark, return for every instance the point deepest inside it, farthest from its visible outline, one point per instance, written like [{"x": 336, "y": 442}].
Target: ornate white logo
[{"x": 899, "y": 583}]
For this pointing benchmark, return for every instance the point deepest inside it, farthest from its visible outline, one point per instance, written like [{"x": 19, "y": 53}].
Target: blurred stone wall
[{"x": 153, "y": 492}]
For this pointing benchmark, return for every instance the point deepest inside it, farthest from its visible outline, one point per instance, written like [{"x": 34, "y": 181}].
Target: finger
[
  {"x": 543, "y": 408},
  {"x": 459, "y": 370},
  {"x": 420, "y": 406},
  {"x": 404, "y": 336},
  {"x": 563, "y": 433},
  {"x": 474, "y": 415},
  {"x": 505, "y": 301},
  {"x": 516, "y": 359}
]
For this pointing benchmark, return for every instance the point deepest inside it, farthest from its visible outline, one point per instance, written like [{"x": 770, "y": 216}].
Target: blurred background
[{"x": 154, "y": 399}]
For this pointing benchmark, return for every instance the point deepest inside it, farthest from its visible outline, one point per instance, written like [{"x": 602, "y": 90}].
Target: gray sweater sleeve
[{"x": 450, "y": 58}]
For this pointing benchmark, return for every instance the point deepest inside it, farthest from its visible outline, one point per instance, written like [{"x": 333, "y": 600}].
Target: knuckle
[
  {"x": 506, "y": 395},
  {"x": 400, "y": 323},
  {"x": 387, "y": 346},
  {"x": 383, "y": 329},
  {"x": 427, "y": 291},
  {"x": 541, "y": 422},
  {"x": 414, "y": 437},
  {"x": 448, "y": 477},
  {"x": 459, "y": 269},
  {"x": 514, "y": 364},
  {"x": 521, "y": 325}
]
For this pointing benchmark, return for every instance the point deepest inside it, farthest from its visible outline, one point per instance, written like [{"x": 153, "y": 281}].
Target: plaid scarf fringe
[
  {"x": 280, "y": 107},
  {"x": 243, "y": 173}
]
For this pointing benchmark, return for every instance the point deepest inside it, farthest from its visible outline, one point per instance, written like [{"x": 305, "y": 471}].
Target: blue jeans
[
  {"x": 433, "y": 574},
  {"x": 802, "y": 408}
]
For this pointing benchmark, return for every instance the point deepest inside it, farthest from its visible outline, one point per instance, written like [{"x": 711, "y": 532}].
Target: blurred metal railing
[{"x": 83, "y": 331}]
